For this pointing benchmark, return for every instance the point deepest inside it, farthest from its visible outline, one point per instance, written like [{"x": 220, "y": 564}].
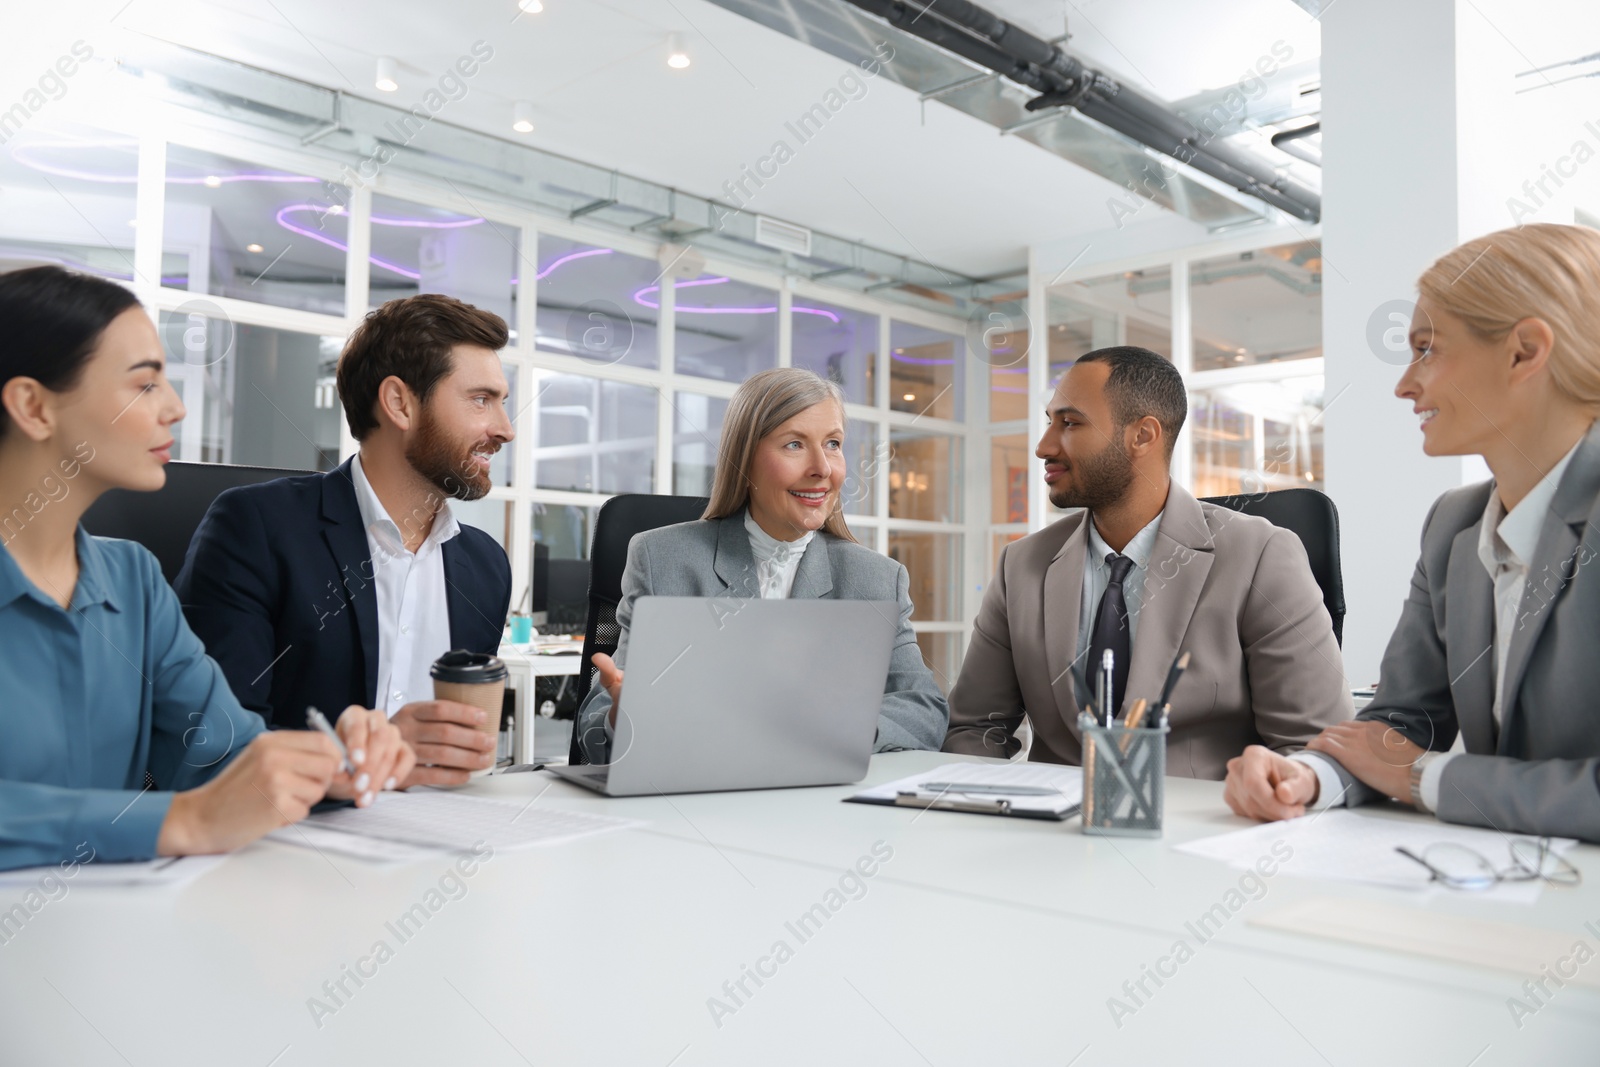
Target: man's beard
[
  {"x": 447, "y": 465},
  {"x": 1098, "y": 482}
]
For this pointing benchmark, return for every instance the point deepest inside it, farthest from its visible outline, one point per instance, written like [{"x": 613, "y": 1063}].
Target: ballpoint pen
[
  {"x": 1107, "y": 670},
  {"x": 997, "y": 806},
  {"x": 974, "y": 787},
  {"x": 318, "y": 721},
  {"x": 1179, "y": 665}
]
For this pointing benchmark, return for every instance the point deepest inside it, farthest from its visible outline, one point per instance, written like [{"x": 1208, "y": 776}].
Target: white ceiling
[
  {"x": 941, "y": 186},
  {"x": 944, "y": 186}
]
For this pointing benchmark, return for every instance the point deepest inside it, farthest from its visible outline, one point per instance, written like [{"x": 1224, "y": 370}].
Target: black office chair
[
  {"x": 1311, "y": 516},
  {"x": 620, "y": 518},
  {"x": 164, "y": 521}
]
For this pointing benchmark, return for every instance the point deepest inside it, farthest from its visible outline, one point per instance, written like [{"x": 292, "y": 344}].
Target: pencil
[{"x": 1135, "y": 717}]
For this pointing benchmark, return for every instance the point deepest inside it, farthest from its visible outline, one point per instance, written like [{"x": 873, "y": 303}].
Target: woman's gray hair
[{"x": 762, "y": 404}]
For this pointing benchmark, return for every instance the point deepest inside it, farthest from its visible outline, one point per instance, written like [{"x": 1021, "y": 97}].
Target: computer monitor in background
[
  {"x": 541, "y": 584},
  {"x": 567, "y": 603},
  {"x": 560, "y": 601}
]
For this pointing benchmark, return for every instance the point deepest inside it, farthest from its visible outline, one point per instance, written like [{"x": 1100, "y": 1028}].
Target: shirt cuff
[
  {"x": 1330, "y": 789},
  {"x": 121, "y": 825},
  {"x": 1431, "y": 776}
]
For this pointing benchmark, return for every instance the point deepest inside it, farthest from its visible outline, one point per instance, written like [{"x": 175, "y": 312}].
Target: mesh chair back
[
  {"x": 1311, "y": 516},
  {"x": 620, "y": 518}
]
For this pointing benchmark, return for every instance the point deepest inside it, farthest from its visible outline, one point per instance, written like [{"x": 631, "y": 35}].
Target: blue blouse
[{"x": 94, "y": 696}]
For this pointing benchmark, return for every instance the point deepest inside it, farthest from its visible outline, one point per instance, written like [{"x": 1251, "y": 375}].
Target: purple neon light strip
[
  {"x": 639, "y": 298},
  {"x": 23, "y": 155},
  {"x": 380, "y": 220},
  {"x": 377, "y": 261},
  {"x": 568, "y": 258}
]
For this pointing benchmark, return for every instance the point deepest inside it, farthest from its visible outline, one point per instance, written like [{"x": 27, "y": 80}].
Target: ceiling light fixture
[
  {"x": 532, "y": 7},
  {"x": 211, "y": 181},
  {"x": 254, "y": 248},
  {"x": 387, "y": 71},
  {"x": 677, "y": 58},
  {"x": 522, "y": 116}
]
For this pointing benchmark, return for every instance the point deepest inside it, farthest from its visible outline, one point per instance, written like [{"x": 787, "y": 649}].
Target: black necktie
[{"x": 1111, "y": 631}]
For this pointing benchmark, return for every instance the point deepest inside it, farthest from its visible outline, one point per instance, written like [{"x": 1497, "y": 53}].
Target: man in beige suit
[{"x": 1143, "y": 568}]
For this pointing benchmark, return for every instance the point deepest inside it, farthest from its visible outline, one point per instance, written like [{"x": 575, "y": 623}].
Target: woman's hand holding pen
[
  {"x": 279, "y": 776},
  {"x": 379, "y": 756},
  {"x": 272, "y": 783}
]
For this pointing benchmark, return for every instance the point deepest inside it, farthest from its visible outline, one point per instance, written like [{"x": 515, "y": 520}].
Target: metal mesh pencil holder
[{"x": 1123, "y": 775}]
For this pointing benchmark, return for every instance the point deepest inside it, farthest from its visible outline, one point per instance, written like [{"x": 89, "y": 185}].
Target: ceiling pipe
[{"x": 980, "y": 37}]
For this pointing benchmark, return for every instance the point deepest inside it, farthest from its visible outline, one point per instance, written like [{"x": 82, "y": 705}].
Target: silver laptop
[{"x": 746, "y": 694}]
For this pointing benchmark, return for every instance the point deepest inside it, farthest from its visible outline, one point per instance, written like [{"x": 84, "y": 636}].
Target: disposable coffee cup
[{"x": 477, "y": 679}]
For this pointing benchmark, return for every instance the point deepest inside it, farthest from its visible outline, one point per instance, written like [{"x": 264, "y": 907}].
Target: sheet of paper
[
  {"x": 305, "y": 834},
  {"x": 1352, "y": 846},
  {"x": 166, "y": 871},
  {"x": 458, "y": 821},
  {"x": 1067, "y": 783},
  {"x": 1522, "y": 950}
]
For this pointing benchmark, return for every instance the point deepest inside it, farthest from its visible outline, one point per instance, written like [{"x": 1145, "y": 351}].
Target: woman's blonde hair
[
  {"x": 1538, "y": 271},
  {"x": 760, "y": 406}
]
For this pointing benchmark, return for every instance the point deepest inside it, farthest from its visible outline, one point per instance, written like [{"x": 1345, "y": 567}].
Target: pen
[
  {"x": 1004, "y": 790},
  {"x": 1107, "y": 669},
  {"x": 318, "y": 721},
  {"x": 998, "y": 806},
  {"x": 1179, "y": 665}
]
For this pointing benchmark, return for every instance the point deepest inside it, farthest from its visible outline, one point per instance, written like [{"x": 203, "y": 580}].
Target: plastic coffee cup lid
[{"x": 461, "y": 667}]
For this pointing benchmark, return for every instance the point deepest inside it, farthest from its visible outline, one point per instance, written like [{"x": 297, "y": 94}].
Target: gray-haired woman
[{"x": 774, "y": 529}]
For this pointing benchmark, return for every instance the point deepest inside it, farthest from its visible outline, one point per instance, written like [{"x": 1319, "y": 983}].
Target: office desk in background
[
  {"x": 523, "y": 665},
  {"x": 976, "y": 941}
]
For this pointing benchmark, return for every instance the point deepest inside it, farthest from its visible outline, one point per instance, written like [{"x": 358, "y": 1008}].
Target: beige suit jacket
[{"x": 1233, "y": 590}]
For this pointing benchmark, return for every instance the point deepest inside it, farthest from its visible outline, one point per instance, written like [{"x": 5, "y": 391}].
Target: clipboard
[{"x": 1062, "y": 803}]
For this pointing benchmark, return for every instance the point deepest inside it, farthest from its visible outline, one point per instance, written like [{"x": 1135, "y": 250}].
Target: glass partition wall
[
  {"x": 1250, "y": 324},
  {"x": 258, "y": 265}
]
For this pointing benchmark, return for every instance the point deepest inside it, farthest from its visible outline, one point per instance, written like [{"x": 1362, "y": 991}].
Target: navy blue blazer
[{"x": 278, "y": 583}]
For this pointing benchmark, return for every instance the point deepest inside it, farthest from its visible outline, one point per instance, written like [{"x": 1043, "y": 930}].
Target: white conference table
[{"x": 980, "y": 941}]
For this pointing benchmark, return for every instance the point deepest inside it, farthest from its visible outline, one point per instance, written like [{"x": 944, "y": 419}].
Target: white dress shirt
[
  {"x": 1097, "y": 575},
  {"x": 413, "y": 609},
  {"x": 776, "y": 561},
  {"x": 1507, "y": 541}
]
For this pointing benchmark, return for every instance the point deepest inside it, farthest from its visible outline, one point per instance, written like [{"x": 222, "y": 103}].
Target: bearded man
[
  {"x": 1138, "y": 566},
  {"x": 343, "y": 588}
]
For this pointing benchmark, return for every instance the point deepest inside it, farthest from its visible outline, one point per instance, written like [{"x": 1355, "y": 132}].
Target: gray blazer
[
  {"x": 712, "y": 558},
  {"x": 1232, "y": 589},
  {"x": 1539, "y": 772}
]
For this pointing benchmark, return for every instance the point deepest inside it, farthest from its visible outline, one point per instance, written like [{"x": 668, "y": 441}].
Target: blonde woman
[
  {"x": 1498, "y": 637},
  {"x": 774, "y": 529}
]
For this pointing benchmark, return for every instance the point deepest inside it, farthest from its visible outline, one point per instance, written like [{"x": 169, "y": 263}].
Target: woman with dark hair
[
  {"x": 775, "y": 523},
  {"x": 102, "y": 679}
]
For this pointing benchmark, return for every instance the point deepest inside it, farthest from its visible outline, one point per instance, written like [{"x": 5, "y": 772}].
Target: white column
[
  {"x": 150, "y": 198},
  {"x": 1183, "y": 359},
  {"x": 1412, "y": 168},
  {"x": 667, "y": 355},
  {"x": 1038, "y": 384},
  {"x": 357, "y": 278}
]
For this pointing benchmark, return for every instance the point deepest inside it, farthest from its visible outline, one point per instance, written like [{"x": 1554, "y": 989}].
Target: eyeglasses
[{"x": 1460, "y": 867}]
